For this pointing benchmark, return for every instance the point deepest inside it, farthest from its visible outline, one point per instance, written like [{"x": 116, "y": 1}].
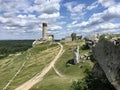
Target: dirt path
[
  {"x": 27, "y": 85},
  {"x": 57, "y": 72}
]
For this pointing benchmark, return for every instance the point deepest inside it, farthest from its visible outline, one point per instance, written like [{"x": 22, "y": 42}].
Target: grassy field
[
  {"x": 69, "y": 72},
  {"x": 36, "y": 59}
]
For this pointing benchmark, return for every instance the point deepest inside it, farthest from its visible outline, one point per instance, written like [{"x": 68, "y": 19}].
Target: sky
[{"x": 22, "y": 19}]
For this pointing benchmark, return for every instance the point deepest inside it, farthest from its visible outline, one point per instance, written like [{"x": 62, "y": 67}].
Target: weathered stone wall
[{"x": 107, "y": 56}]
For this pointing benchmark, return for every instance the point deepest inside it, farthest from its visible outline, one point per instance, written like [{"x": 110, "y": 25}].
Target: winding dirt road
[{"x": 27, "y": 85}]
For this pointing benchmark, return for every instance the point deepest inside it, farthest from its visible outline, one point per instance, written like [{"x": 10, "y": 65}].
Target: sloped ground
[
  {"x": 36, "y": 59},
  {"x": 53, "y": 81},
  {"x": 27, "y": 85}
]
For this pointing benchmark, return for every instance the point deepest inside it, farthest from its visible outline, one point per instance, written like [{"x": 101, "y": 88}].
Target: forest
[{"x": 12, "y": 46}]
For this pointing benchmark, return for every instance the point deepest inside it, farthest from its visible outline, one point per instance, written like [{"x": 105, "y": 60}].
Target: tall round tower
[{"x": 44, "y": 32}]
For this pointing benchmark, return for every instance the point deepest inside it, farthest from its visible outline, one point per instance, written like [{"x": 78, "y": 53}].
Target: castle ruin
[
  {"x": 44, "y": 32},
  {"x": 45, "y": 36}
]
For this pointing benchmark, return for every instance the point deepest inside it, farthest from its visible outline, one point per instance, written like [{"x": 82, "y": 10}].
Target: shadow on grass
[{"x": 70, "y": 62}]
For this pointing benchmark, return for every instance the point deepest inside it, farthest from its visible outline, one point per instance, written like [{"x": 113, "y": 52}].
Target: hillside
[
  {"x": 69, "y": 73},
  {"x": 31, "y": 62}
]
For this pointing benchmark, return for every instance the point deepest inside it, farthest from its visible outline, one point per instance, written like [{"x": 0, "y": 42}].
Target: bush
[
  {"x": 79, "y": 85},
  {"x": 85, "y": 47},
  {"x": 91, "y": 83}
]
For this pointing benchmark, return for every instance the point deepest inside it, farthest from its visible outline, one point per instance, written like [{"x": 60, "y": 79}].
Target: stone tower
[{"x": 44, "y": 32}]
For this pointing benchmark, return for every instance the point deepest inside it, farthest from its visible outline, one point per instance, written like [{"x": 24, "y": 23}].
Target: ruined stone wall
[{"x": 107, "y": 55}]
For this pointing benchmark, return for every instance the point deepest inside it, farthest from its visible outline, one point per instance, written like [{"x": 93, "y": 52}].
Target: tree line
[{"x": 12, "y": 46}]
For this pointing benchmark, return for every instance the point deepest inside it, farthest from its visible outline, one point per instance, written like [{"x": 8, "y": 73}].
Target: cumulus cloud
[
  {"x": 11, "y": 7},
  {"x": 74, "y": 22},
  {"x": 76, "y": 10},
  {"x": 55, "y": 27},
  {"x": 100, "y": 28},
  {"x": 72, "y": 7},
  {"x": 107, "y": 3},
  {"x": 107, "y": 26},
  {"x": 93, "y": 5},
  {"x": 49, "y": 16},
  {"x": 43, "y": 6},
  {"x": 97, "y": 18},
  {"x": 26, "y": 16},
  {"x": 100, "y": 22}
]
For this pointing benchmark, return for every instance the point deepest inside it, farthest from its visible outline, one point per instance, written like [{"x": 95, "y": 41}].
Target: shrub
[
  {"x": 91, "y": 83},
  {"x": 79, "y": 85}
]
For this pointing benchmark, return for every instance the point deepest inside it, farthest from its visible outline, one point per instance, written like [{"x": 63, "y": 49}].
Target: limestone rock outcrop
[
  {"x": 99, "y": 73},
  {"x": 107, "y": 55},
  {"x": 76, "y": 54},
  {"x": 37, "y": 42}
]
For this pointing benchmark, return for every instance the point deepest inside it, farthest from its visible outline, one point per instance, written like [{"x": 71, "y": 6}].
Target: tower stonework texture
[{"x": 44, "y": 32}]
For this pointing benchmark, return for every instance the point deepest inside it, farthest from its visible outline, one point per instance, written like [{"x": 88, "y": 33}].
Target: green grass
[
  {"x": 8, "y": 67},
  {"x": 51, "y": 82},
  {"x": 37, "y": 58},
  {"x": 70, "y": 72}
]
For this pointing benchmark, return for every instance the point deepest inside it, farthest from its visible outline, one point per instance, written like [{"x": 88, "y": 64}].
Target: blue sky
[{"x": 22, "y": 19}]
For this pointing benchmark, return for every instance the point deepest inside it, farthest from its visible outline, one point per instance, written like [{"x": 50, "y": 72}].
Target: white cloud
[
  {"x": 18, "y": 17},
  {"x": 105, "y": 16},
  {"x": 76, "y": 10},
  {"x": 3, "y": 20},
  {"x": 100, "y": 22},
  {"x": 74, "y": 7},
  {"x": 43, "y": 6},
  {"x": 49, "y": 16},
  {"x": 11, "y": 7},
  {"x": 107, "y": 3},
  {"x": 55, "y": 27},
  {"x": 93, "y": 6},
  {"x": 107, "y": 26},
  {"x": 74, "y": 22},
  {"x": 26, "y": 16}
]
